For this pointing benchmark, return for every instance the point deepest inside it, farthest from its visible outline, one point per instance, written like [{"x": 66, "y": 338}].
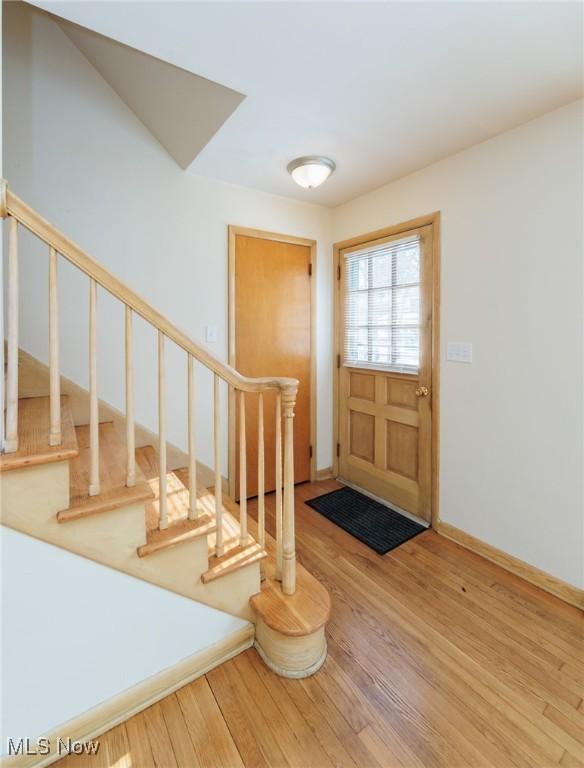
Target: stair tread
[
  {"x": 235, "y": 557},
  {"x": 231, "y": 526},
  {"x": 179, "y": 533},
  {"x": 180, "y": 528},
  {"x": 33, "y": 435},
  {"x": 177, "y": 494},
  {"x": 112, "y": 470},
  {"x": 297, "y": 615}
]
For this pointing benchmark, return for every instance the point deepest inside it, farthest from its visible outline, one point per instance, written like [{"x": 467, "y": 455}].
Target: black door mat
[{"x": 372, "y": 523}]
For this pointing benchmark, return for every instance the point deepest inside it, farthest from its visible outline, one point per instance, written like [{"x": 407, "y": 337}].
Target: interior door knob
[{"x": 422, "y": 391}]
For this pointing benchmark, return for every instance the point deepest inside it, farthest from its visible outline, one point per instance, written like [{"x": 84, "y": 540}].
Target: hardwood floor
[{"x": 436, "y": 658}]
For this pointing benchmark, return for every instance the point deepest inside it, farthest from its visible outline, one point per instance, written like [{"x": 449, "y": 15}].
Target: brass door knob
[{"x": 422, "y": 391}]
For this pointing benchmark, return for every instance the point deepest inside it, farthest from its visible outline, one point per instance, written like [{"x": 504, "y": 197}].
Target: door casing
[
  {"x": 432, "y": 219},
  {"x": 233, "y": 232}
]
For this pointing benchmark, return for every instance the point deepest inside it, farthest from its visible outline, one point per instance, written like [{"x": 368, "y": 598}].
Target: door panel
[
  {"x": 402, "y": 393},
  {"x": 385, "y": 416},
  {"x": 362, "y": 435},
  {"x": 401, "y": 454},
  {"x": 362, "y": 386},
  {"x": 272, "y": 338}
]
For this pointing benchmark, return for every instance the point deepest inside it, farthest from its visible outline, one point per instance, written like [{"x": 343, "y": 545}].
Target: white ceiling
[
  {"x": 182, "y": 110},
  {"x": 384, "y": 88}
]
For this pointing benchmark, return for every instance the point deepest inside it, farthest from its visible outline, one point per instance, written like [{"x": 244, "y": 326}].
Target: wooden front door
[
  {"x": 272, "y": 316},
  {"x": 385, "y": 372}
]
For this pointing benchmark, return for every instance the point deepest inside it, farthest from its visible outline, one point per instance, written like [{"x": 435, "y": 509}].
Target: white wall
[
  {"x": 1, "y": 252},
  {"x": 72, "y": 671},
  {"x": 511, "y": 449},
  {"x": 77, "y": 154}
]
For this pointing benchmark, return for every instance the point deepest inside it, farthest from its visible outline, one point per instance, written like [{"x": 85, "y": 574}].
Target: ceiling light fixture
[{"x": 311, "y": 171}]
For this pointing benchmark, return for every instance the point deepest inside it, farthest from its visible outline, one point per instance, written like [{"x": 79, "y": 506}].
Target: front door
[
  {"x": 385, "y": 371},
  {"x": 272, "y": 334}
]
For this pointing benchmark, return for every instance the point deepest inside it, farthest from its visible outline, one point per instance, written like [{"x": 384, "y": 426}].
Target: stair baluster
[
  {"x": 219, "y": 546},
  {"x": 288, "y": 536},
  {"x": 243, "y": 534},
  {"x": 130, "y": 429},
  {"x": 279, "y": 487},
  {"x": 54, "y": 374},
  {"x": 193, "y": 513},
  {"x": 94, "y": 484},
  {"x": 11, "y": 436},
  {"x": 261, "y": 471},
  {"x": 162, "y": 500}
]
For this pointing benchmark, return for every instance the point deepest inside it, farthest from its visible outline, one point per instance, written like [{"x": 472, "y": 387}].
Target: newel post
[{"x": 288, "y": 536}]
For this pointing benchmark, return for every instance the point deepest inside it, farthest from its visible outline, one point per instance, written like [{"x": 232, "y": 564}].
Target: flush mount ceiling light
[{"x": 311, "y": 171}]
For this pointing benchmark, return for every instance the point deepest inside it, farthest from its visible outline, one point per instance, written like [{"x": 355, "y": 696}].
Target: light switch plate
[
  {"x": 459, "y": 351},
  {"x": 211, "y": 334}
]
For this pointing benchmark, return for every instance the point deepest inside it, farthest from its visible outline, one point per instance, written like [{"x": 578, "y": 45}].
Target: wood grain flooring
[{"x": 437, "y": 657}]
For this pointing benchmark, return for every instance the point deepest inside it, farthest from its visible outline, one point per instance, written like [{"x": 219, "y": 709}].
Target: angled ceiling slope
[{"x": 182, "y": 110}]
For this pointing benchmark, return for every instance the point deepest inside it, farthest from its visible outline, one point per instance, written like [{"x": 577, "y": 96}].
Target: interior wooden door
[
  {"x": 272, "y": 312},
  {"x": 385, "y": 376}
]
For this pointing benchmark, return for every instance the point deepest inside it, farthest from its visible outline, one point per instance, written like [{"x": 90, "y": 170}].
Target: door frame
[
  {"x": 233, "y": 231},
  {"x": 433, "y": 220}
]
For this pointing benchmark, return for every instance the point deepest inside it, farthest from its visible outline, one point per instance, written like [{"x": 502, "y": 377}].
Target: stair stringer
[{"x": 32, "y": 496}]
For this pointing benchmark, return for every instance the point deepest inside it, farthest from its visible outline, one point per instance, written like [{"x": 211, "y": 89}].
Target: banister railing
[{"x": 20, "y": 213}]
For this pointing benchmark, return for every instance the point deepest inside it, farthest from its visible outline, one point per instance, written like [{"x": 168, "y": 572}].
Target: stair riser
[
  {"x": 231, "y": 593},
  {"x": 110, "y": 537},
  {"x": 32, "y": 496},
  {"x": 178, "y": 569}
]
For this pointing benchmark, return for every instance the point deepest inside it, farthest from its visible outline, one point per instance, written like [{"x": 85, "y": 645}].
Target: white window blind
[{"x": 382, "y": 306}]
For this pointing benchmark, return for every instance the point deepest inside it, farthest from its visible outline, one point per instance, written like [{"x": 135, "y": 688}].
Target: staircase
[{"x": 87, "y": 488}]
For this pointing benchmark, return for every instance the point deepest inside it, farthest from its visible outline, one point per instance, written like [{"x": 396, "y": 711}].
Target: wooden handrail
[{"x": 12, "y": 205}]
